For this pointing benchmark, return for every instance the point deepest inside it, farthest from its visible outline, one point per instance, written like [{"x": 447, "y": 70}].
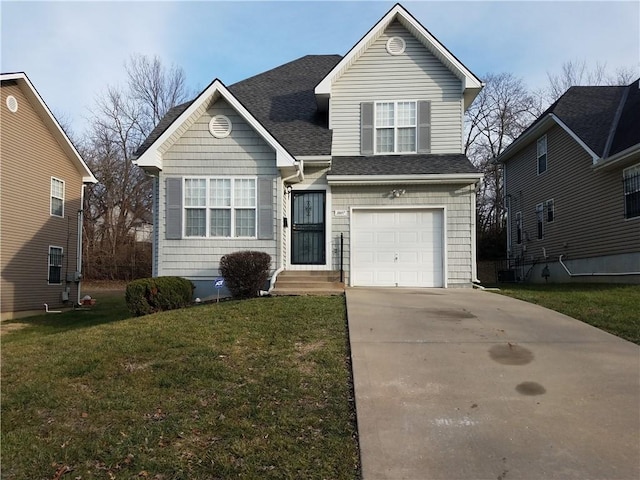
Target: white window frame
[
  {"x": 395, "y": 127},
  {"x": 629, "y": 171},
  {"x": 540, "y": 211},
  {"x": 519, "y": 228},
  {"x": 550, "y": 203},
  {"x": 542, "y": 140},
  {"x": 49, "y": 265},
  {"x": 52, "y": 196},
  {"x": 210, "y": 206}
]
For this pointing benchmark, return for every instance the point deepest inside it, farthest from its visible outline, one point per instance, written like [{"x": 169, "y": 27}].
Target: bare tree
[
  {"x": 578, "y": 72},
  {"x": 503, "y": 109},
  {"x": 122, "y": 200}
]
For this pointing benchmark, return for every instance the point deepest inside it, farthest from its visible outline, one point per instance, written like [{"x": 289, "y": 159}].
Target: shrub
[
  {"x": 149, "y": 295},
  {"x": 245, "y": 272}
]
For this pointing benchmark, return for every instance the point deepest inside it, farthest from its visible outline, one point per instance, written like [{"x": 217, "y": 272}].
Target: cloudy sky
[{"x": 71, "y": 51}]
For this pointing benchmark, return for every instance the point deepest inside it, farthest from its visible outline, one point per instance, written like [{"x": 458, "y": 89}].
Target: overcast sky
[{"x": 72, "y": 50}]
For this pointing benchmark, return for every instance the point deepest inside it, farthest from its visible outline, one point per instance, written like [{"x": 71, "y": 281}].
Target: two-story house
[
  {"x": 365, "y": 147},
  {"x": 572, "y": 185},
  {"x": 42, "y": 182}
]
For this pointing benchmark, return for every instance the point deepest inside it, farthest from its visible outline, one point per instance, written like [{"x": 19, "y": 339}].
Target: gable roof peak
[{"x": 471, "y": 84}]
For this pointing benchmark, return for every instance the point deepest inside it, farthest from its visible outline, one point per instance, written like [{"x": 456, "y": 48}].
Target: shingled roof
[
  {"x": 283, "y": 101},
  {"x": 605, "y": 118},
  {"x": 402, "y": 165}
]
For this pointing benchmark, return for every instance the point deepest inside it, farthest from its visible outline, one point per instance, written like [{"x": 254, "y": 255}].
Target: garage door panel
[{"x": 398, "y": 248}]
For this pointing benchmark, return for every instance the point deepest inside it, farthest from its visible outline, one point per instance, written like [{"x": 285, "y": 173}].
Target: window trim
[
  {"x": 395, "y": 127},
  {"x": 49, "y": 265},
  {"x": 519, "y": 228},
  {"x": 545, "y": 154},
  {"x": 625, "y": 193},
  {"x": 209, "y": 207},
  {"x": 540, "y": 221},
  {"x": 553, "y": 210},
  {"x": 51, "y": 197}
]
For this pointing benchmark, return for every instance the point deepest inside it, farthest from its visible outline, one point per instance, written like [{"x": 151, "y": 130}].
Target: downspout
[
  {"x": 474, "y": 236},
  {"x": 594, "y": 274},
  {"x": 300, "y": 176},
  {"x": 79, "y": 246}
]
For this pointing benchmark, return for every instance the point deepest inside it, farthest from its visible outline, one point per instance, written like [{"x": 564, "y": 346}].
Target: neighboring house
[
  {"x": 42, "y": 184},
  {"x": 572, "y": 185},
  {"x": 368, "y": 146}
]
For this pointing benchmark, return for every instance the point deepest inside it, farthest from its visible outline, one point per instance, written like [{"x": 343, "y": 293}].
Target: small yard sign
[{"x": 218, "y": 283}]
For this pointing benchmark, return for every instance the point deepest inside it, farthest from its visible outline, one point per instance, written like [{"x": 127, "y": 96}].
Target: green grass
[
  {"x": 612, "y": 308},
  {"x": 253, "y": 389}
]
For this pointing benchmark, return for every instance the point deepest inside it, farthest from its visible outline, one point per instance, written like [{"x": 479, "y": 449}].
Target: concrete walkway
[{"x": 461, "y": 384}]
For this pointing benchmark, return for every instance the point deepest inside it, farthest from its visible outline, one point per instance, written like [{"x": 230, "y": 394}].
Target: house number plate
[{"x": 339, "y": 213}]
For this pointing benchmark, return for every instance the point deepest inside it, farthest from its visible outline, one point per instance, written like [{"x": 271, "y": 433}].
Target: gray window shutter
[
  {"x": 424, "y": 127},
  {"x": 366, "y": 128},
  {"x": 173, "y": 223},
  {"x": 265, "y": 208}
]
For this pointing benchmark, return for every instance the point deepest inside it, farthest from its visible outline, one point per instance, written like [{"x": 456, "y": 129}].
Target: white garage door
[{"x": 397, "y": 248}]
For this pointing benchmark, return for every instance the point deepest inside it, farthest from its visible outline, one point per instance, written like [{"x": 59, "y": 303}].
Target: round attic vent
[
  {"x": 396, "y": 46},
  {"x": 220, "y": 126},
  {"x": 12, "y": 103}
]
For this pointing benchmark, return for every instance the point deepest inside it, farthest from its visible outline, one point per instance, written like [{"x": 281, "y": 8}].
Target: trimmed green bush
[
  {"x": 245, "y": 272},
  {"x": 150, "y": 295}
]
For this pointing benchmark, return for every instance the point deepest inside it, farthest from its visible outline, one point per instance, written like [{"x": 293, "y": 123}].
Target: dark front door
[{"x": 307, "y": 228}]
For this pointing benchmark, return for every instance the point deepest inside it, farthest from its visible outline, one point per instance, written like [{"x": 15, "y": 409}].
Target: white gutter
[
  {"x": 300, "y": 176},
  {"x": 595, "y": 274},
  {"x": 618, "y": 157},
  {"x": 434, "y": 178}
]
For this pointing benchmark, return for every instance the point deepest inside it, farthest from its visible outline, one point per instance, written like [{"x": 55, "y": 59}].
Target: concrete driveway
[{"x": 464, "y": 384}]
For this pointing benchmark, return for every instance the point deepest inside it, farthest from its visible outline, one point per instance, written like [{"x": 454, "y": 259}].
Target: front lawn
[
  {"x": 253, "y": 389},
  {"x": 613, "y": 308}
]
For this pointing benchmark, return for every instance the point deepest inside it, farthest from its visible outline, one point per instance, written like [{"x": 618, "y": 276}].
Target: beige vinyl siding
[
  {"x": 455, "y": 198},
  {"x": 198, "y": 153},
  {"x": 415, "y": 75},
  {"x": 589, "y": 205},
  {"x": 30, "y": 156}
]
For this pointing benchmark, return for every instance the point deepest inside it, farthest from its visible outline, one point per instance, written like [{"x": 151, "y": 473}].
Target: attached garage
[{"x": 398, "y": 247}]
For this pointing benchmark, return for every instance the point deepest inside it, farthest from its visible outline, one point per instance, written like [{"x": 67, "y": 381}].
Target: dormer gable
[{"x": 470, "y": 84}]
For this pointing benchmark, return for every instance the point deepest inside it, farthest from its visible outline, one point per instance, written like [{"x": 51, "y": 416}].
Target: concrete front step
[{"x": 315, "y": 282}]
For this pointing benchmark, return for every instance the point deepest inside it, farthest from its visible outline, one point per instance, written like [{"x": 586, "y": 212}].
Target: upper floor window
[
  {"x": 55, "y": 265},
  {"x": 542, "y": 155},
  {"x": 220, "y": 207},
  {"x": 396, "y": 126},
  {"x": 631, "y": 177},
  {"x": 57, "y": 197}
]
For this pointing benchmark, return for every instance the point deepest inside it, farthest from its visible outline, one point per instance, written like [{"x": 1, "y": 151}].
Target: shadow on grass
[{"x": 110, "y": 307}]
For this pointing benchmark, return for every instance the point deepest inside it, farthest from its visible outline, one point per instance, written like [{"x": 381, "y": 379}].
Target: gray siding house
[
  {"x": 367, "y": 147},
  {"x": 572, "y": 185}
]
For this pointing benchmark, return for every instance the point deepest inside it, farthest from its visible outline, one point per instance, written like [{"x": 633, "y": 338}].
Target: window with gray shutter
[
  {"x": 265, "y": 208},
  {"x": 366, "y": 128},
  {"x": 424, "y": 127},
  {"x": 173, "y": 215}
]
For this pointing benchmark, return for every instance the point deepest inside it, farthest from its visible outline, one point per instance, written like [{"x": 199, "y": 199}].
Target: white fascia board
[
  {"x": 620, "y": 159},
  {"x": 152, "y": 159},
  {"x": 50, "y": 120},
  {"x": 526, "y": 138},
  {"x": 433, "y": 178},
  {"x": 469, "y": 80},
  {"x": 572, "y": 134}
]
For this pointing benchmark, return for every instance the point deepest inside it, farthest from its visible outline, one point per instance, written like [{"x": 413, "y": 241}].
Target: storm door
[{"x": 307, "y": 228}]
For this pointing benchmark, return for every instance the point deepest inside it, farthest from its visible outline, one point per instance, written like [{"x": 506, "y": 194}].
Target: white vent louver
[
  {"x": 220, "y": 126},
  {"x": 396, "y": 46},
  {"x": 12, "y": 103}
]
